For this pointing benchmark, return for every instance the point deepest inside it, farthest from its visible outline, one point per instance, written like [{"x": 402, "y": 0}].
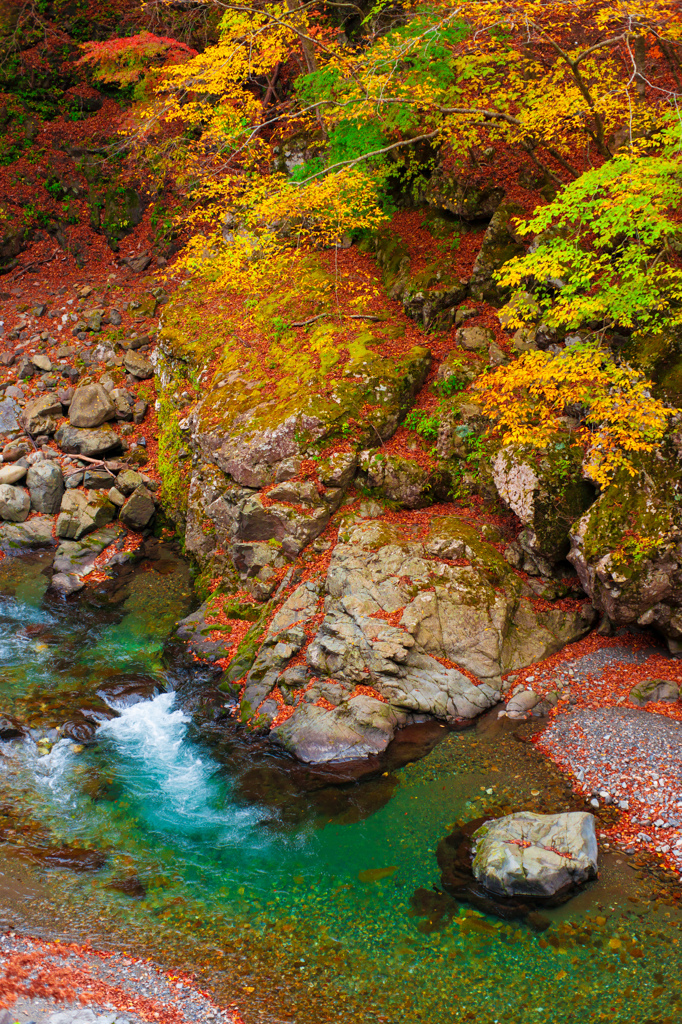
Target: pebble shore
[{"x": 54, "y": 983}]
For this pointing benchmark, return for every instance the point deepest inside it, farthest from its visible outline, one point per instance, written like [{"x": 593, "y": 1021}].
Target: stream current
[{"x": 298, "y": 898}]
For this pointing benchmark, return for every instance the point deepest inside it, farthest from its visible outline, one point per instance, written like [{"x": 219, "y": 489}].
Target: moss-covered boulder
[
  {"x": 627, "y": 548},
  {"x": 402, "y": 480},
  {"x": 500, "y": 243},
  {"x": 429, "y": 296},
  {"x": 269, "y": 405},
  {"x": 545, "y": 489}
]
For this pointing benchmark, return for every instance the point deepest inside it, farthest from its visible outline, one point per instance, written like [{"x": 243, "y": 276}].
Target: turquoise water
[{"x": 296, "y": 902}]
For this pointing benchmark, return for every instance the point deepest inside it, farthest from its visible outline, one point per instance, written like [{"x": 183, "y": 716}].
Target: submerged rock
[{"x": 541, "y": 855}]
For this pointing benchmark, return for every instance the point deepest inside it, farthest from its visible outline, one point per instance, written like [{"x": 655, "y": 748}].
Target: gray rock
[
  {"x": 9, "y": 415},
  {"x": 138, "y": 509},
  {"x": 46, "y": 486},
  {"x": 547, "y": 495},
  {"x": 654, "y": 690},
  {"x": 98, "y": 479},
  {"x": 15, "y": 450},
  {"x": 34, "y": 533},
  {"x": 474, "y": 338},
  {"x": 128, "y": 480},
  {"x": 530, "y": 854},
  {"x": 14, "y": 504},
  {"x": 82, "y": 512},
  {"x": 41, "y": 362},
  {"x": 93, "y": 443},
  {"x": 139, "y": 411},
  {"x": 91, "y": 406},
  {"x": 521, "y": 702},
  {"x": 115, "y": 497},
  {"x": 402, "y": 480},
  {"x": 358, "y": 728},
  {"x": 74, "y": 559},
  {"x": 138, "y": 365},
  {"x": 42, "y": 414}
]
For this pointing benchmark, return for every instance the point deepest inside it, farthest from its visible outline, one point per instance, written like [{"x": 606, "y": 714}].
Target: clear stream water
[{"x": 296, "y": 902}]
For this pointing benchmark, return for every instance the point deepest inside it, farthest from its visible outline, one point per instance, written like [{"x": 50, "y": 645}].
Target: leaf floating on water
[{"x": 376, "y": 874}]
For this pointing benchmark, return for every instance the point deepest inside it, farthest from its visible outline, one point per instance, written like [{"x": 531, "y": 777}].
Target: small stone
[
  {"x": 115, "y": 497},
  {"x": 12, "y": 474},
  {"x": 92, "y": 443},
  {"x": 115, "y": 318},
  {"x": 41, "y": 362},
  {"x": 139, "y": 411},
  {"x": 473, "y": 338},
  {"x": 42, "y": 414},
  {"x": 128, "y": 481}
]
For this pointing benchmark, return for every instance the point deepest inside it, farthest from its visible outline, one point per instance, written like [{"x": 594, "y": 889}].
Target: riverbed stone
[
  {"x": 93, "y": 443},
  {"x": 529, "y": 854},
  {"x": 33, "y": 533},
  {"x": 654, "y": 690},
  {"x": 14, "y": 503},
  {"x": 91, "y": 406},
  {"x": 82, "y": 512},
  {"x": 45, "y": 483},
  {"x": 9, "y": 418},
  {"x": 74, "y": 559}
]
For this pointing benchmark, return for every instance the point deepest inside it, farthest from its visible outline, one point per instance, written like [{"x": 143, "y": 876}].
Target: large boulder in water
[{"x": 538, "y": 855}]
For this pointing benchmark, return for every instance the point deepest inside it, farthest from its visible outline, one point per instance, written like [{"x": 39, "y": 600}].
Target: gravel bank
[
  {"x": 53, "y": 983},
  {"x": 631, "y": 758}
]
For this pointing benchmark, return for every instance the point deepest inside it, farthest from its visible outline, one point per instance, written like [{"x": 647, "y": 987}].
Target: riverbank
[{"x": 58, "y": 983}]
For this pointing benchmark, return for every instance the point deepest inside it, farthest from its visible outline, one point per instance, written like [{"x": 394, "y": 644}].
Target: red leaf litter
[{"x": 69, "y": 973}]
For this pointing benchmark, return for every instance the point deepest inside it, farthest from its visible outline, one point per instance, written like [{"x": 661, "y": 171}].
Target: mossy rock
[
  {"x": 659, "y": 357},
  {"x": 627, "y": 548}
]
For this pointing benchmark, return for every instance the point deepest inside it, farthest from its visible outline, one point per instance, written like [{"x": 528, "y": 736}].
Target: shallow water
[{"x": 295, "y": 900}]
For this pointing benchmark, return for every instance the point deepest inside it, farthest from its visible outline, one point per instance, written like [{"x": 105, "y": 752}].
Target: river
[{"x": 298, "y": 898}]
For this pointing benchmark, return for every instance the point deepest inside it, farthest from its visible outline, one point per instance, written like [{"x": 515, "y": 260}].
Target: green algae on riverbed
[{"x": 306, "y": 916}]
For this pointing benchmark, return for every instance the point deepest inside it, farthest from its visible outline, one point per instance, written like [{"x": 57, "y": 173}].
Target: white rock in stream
[{"x": 530, "y": 854}]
